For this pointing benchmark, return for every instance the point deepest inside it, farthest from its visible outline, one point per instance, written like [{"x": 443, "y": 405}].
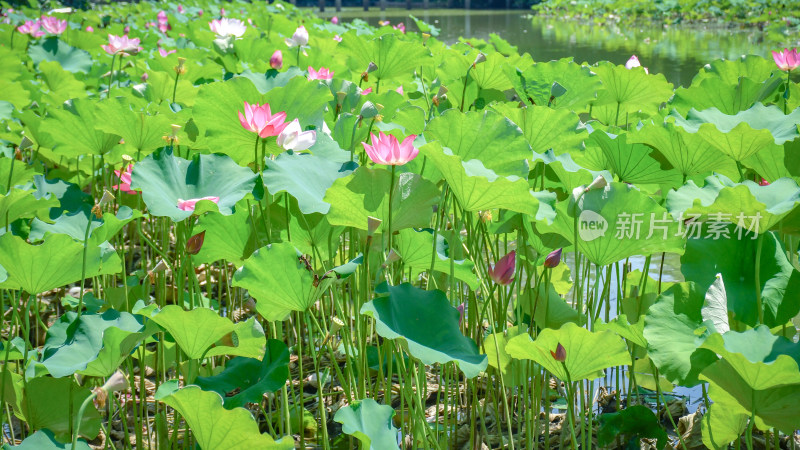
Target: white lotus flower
[
  {"x": 294, "y": 138},
  {"x": 299, "y": 38},
  {"x": 228, "y": 27}
]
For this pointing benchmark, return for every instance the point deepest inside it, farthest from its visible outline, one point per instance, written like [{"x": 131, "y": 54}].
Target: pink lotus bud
[
  {"x": 553, "y": 259},
  {"x": 503, "y": 272},
  {"x": 787, "y": 60},
  {"x": 560, "y": 354},
  {"x": 145, "y": 76},
  {"x": 335, "y": 20},
  {"x": 462, "y": 308},
  {"x": 276, "y": 61},
  {"x": 90, "y": 29},
  {"x": 195, "y": 243},
  {"x": 181, "y": 9}
]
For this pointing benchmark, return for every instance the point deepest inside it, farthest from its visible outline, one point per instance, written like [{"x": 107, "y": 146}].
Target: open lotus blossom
[
  {"x": 787, "y": 60},
  {"x": 633, "y": 61},
  {"x": 560, "y": 354},
  {"x": 31, "y": 27},
  {"x": 298, "y": 39},
  {"x": 188, "y": 205},
  {"x": 165, "y": 53},
  {"x": 228, "y": 27},
  {"x": 294, "y": 138},
  {"x": 276, "y": 61},
  {"x": 399, "y": 89},
  {"x": 386, "y": 149},
  {"x": 335, "y": 20},
  {"x": 259, "y": 119},
  {"x": 122, "y": 44},
  {"x": 337, "y": 38},
  {"x": 503, "y": 272},
  {"x": 366, "y": 91},
  {"x": 125, "y": 180},
  {"x": 181, "y": 9},
  {"x": 400, "y": 26},
  {"x": 321, "y": 74},
  {"x": 53, "y": 25}
]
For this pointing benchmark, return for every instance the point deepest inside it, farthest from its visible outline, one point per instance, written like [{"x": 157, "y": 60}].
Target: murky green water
[{"x": 677, "y": 52}]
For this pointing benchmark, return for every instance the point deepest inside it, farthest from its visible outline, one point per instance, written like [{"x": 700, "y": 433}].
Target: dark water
[{"x": 677, "y": 52}]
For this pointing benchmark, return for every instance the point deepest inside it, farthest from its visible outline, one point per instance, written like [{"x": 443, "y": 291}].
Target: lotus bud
[
  {"x": 479, "y": 59},
  {"x": 116, "y": 382},
  {"x": 144, "y": 77},
  {"x": 195, "y": 243},
  {"x": 503, "y": 272},
  {"x": 373, "y": 223},
  {"x": 161, "y": 266},
  {"x": 276, "y": 61},
  {"x": 553, "y": 259},
  {"x": 107, "y": 198},
  {"x": 462, "y": 309},
  {"x": 180, "y": 69},
  {"x": 598, "y": 183},
  {"x": 560, "y": 354}
]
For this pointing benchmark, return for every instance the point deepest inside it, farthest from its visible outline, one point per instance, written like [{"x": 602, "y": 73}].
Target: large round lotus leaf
[
  {"x": 74, "y": 342},
  {"x": 306, "y": 177},
  {"x": 56, "y": 262},
  {"x": 615, "y": 223},
  {"x": 568, "y": 171},
  {"x": 416, "y": 249},
  {"x": 164, "y": 179},
  {"x": 478, "y": 188},
  {"x": 370, "y": 422},
  {"x": 728, "y": 98},
  {"x": 559, "y": 130},
  {"x": 230, "y": 238},
  {"x": 632, "y": 332},
  {"x": 405, "y": 313},
  {"x": 634, "y": 423},
  {"x": 47, "y": 405},
  {"x": 632, "y": 163},
  {"x": 674, "y": 328},
  {"x": 74, "y": 225},
  {"x": 194, "y": 331},
  {"x": 248, "y": 341},
  {"x": 735, "y": 258},
  {"x": 140, "y": 130},
  {"x": 249, "y": 377},
  {"x": 723, "y": 200},
  {"x": 72, "y": 128},
  {"x": 365, "y": 193},
  {"x": 777, "y": 161},
  {"x": 393, "y": 57},
  {"x": 725, "y": 420},
  {"x": 688, "y": 153},
  {"x": 69, "y": 195},
  {"x": 44, "y": 440},
  {"x": 547, "y": 308},
  {"x": 478, "y": 135},
  {"x": 583, "y": 362},
  {"x": 118, "y": 345},
  {"x": 213, "y": 426},
  {"x": 277, "y": 280},
  {"x": 56, "y": 50},
  {"x": 626, "y": 92},
  {"x": 730, "y": 71},
  {"x": 512, "y": 370},
  {"x": 19, "y": 203},
  {"x": 60, "y": 84},
  {"x": 535, "y": 84}
]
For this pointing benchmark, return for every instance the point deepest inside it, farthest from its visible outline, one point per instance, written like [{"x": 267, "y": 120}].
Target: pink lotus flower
[
  {"x": 162, "y": 17},
  {"x": 400, "y": 26},
  {"x": 399, "y": 90},
  {"x": 90, "y": 29},
  {"x": 222, "y": 12},
  {"x": 787, "y": 60},
  {"x": 188, "y": 205},
  {"x": 322, "y": 74},
  {"x": 337, "y": 38},
  {"x": 122, "y": 44},
  {"x": 125, "y": 180},
  {"x": 633, "y": 61},
  {"x": 181, "y": 9},
  {"x": 145, "y": 76},
  {"x": 259, "y": 119},
  {"x": 164, "y": 27},
  {"x": 335, "y": 20},
  {"x": 228, "y": 27},
  {"x": 165, "y": 53},
  {"x": 298, "y": 39},
  {"x": 553, "y": 259},
  {"x": 200, "y": 13},
  {"x": 366, "y": 91},
  {"x": 386, "y": 149},
  {"x": 276, "y": 61},
  {"x": 763, "y": 182},
  {"x": 384, "y": 23},
  {"x": 503, "y": 272},
  {"x": 53, "y": 25},
  {"x": 31, "y": 27},
  {"x": 560, "y": 354}
]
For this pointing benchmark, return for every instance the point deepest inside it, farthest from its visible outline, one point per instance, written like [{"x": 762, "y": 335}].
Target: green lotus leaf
[
  {"x": 722, "y": 200},
  {"x": 277, "y": 280},
  {"x": 403, "y": 313},
  {"x": 44, "y": 440},
  {"x": 628, "y": 92},
  {"x": 365, "y": 193},
  {"x": 675, "y": 329},
  {"x": 583, "y": 361},
  {"x": 213, "y": 426},
  {"x": 230, "y": 238},
  {"x": 247, "y": 338},
  {"x": 164, "y": 179},
  {"x": 56, "y": 262},
  {"x": 742, "y": 134},
  {"x": 74, "y": 224},
  {"x": 688, "y": 153},
  {"x": 56, "y": 50},
  {"x": 306, "y": 177},
  {"x": 632, "y": 163},
  {"x": 632, "y": 332},
  {"x": 47, "y": 403},
  {"x": 118, "y": 344},
  {"x": 569, "y": 172},
  {"x": 60, "y": 84},
  {"x": 14, "y": 173},
  {"x": 478, "y": 188},
  {"x": 416, "y": 250},
  {"x": 394, "y": 58},
  {"x": 731, "y": 71},
  {"x": 369, "y": 422},
  {"x": 310, "y": 233},
  {"x": 547, "y": 308},
  {"x": 140, "y": 130},
  {"x": 14, "y": 93},
  {"x": 728, "y": 98},
  {"x": 19, "y": 203},
  {"x": 72, "y": 342},
  {"x": 490, "y": 73},
  {"x": 69, "y": 195},
  {"x": 73, "y": 131},
  {"x": 725, "y": 420},
  {"x": 194, "y": 331},
  {"x": 635, "y": 422},
  {"x": 607, "y": 229},
  {"x": 250, "y": 377},
  {"x": 534, "y": 85},
  {"x": 559, "y": 130},
  {"x": 477, "y": 135},
  {"x": 777, "y": 161},
  {"x": 512, "y": 370}
]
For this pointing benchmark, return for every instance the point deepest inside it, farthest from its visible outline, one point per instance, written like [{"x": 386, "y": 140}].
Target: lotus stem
[
  {"x": 759, "y": 305},
  {"x": 391, "y": 198},
  {"x": 80, "y": 418},
  {"x": 111, "y": 75}
]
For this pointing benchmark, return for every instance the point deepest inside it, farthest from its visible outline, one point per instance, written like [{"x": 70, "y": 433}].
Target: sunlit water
[{"x": 677, "y": 52}]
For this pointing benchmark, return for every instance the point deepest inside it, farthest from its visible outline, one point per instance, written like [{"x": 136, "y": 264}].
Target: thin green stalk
[{"x": 111, "y": 75}]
